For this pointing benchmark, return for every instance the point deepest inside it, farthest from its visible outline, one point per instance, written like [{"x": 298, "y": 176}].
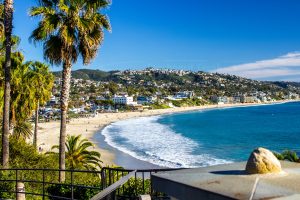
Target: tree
[
  {"x": 112, "y": 87},
  {"x": 8, "y": 15},
  {"x": 24, "y": 89},
  {"x": 22, "y": 130},
  {"x": 78, "y": 156},
  {"x": 92, "y": 88},
  {"x": 69, "y": 29},
  {"x": 41, "y": 80},
  {"x": 21, "y": 104}
]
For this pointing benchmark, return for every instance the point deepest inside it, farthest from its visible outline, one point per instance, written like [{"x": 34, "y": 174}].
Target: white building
[
  {"x": 184, "y": 95},
  {"x": 77, "y": 110},
  {"x": 125, "y": 100}
]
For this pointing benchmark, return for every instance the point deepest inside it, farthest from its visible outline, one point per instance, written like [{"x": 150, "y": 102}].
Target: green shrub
[
  {"x": 24, "y": 155},
  {"x": 7, "y": 186},
  {"x": 135, "y": 187},
  {"x": 177, "y": 103},
  {"x": 287, "y": 155},
  {"x": 66, "y": 191},
  {"x": 159, "y": 106},
  {"x": 278, "y": 156}
]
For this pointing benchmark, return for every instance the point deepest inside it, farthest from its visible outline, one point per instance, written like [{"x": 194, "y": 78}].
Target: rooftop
[{"x": 229, "y": 182}]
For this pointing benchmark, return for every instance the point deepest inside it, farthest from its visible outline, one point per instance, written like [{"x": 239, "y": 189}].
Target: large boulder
[{"x": 262, "y": 161}]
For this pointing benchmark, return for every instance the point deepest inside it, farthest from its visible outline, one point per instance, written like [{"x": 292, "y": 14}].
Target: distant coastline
[{"x": 88, "y": 127}]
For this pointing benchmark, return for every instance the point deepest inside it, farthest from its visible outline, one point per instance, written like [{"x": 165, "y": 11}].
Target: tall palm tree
[
  {"x": 41, "y": 79},
  {"x": 2, "y": 28},
  {"x": 24, "y": 90},
  {"x": 21, "y": 104},
  {"x": 78, "y": 156},
  {"x": 69, "y": 29},
  {"x": 8, "y": 15}
]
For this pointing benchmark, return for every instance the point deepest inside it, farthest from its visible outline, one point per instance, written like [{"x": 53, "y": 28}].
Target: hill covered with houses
[{"x": 160, "y": 88}]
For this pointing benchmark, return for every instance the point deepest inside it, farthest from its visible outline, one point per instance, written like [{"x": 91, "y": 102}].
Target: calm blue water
[{"x": 208, "y": 137}]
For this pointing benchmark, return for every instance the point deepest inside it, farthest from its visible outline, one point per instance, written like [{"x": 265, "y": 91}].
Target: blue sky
[{"x": 259, "y": 39}]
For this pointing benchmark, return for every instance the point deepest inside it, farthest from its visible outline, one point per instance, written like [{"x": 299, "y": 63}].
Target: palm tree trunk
[
  {"x": 8, "y": 15},
  {"x": 12, "y": 116},
  {"x": 36, "y": 124},
  {"x": 64, "y": 100}
]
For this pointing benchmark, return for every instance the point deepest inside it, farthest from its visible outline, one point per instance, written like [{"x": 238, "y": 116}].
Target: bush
[
  {"x": 24, "y": 155},
  {"x": 135, "y": 187},
  {"x": 7, "y": 186},
  {"x": 287, "y": 155},
  {"x": 159, "y": 106},
  {"x": 65, "y": 190}
]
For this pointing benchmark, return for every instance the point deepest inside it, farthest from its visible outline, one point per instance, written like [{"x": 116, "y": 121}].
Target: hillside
[
  {"x": 89, "y": 74},
  {"x": 170, "y": 81}
]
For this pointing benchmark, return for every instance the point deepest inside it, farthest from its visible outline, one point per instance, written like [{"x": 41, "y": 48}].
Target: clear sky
[{"x": 259, "y": 39}]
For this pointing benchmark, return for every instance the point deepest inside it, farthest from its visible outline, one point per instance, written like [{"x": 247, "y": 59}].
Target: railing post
[
  {"x": 109, "y": 177},
  {"x": 143, "y": 177},
  {"x": 16, "y": 184},
  {"x": 135, "y": 184},
  {"x": 20, "y": 189},
  {"x": 43, "y": 184},
  {"x": 151, "y": 187},
  {"x": 103, "y": 178},
  {"x": 123, "y": 184},
  {"x": 72, "y": 188},
  {"x": 118, "y": 190}
]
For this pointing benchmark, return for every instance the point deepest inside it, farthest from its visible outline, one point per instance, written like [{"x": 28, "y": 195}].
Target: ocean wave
[{"x": 146, "y": 139}]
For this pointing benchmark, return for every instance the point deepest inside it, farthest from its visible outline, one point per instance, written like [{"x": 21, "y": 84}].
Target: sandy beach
[{"x": 49, "y": 132}]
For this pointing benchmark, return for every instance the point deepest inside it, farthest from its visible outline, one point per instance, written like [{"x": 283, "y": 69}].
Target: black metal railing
[
  {"x": 44, "y": 180},
  {"x": 138, "y": 185}
]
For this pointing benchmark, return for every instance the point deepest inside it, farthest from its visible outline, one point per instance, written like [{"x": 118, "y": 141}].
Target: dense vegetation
[
  {"x": 26, "y": 85},
  {"x": 87, "y": 74},
  {"x": 24, "y": 155}
]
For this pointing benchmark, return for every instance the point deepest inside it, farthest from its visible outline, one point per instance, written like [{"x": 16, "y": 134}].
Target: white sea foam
[{"x": 146, "y": 139}]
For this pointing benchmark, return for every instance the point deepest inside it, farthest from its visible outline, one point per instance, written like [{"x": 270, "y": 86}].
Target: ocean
[{"x": 207, "y": 137}]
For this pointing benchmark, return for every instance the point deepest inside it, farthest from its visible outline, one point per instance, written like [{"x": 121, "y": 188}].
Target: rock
[{"x": 262, "y": 161}]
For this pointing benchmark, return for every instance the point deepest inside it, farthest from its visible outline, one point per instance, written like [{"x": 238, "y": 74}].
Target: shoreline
[{"x": 90, "y": 128}]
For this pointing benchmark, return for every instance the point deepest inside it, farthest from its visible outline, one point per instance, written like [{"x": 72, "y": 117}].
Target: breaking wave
[{"x": 146, "y": 139}]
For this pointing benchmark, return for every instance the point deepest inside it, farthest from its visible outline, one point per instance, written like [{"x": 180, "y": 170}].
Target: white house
[
  {"x": 124, "y": 99},
  {"x": 184, "y": 95}
]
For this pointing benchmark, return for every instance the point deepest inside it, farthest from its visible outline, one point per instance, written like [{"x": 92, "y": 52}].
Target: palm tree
[
  {"x": 78, "y": 155},
  {"x": 41, "y": 80},
  {"x": 22, "y": 129},
  {"x": 8, "y": 15},
  {"x": 69, "y": 29},
  {"x": 22, "y": 101},
  {"x": 24, "y": 90}
]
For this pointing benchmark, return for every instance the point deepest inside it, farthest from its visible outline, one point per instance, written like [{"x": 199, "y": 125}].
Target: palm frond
[
  {"x": 78, "y": 154},
  {"x": 22, "y": 130},
  {"x": 70, "y": 29}
]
